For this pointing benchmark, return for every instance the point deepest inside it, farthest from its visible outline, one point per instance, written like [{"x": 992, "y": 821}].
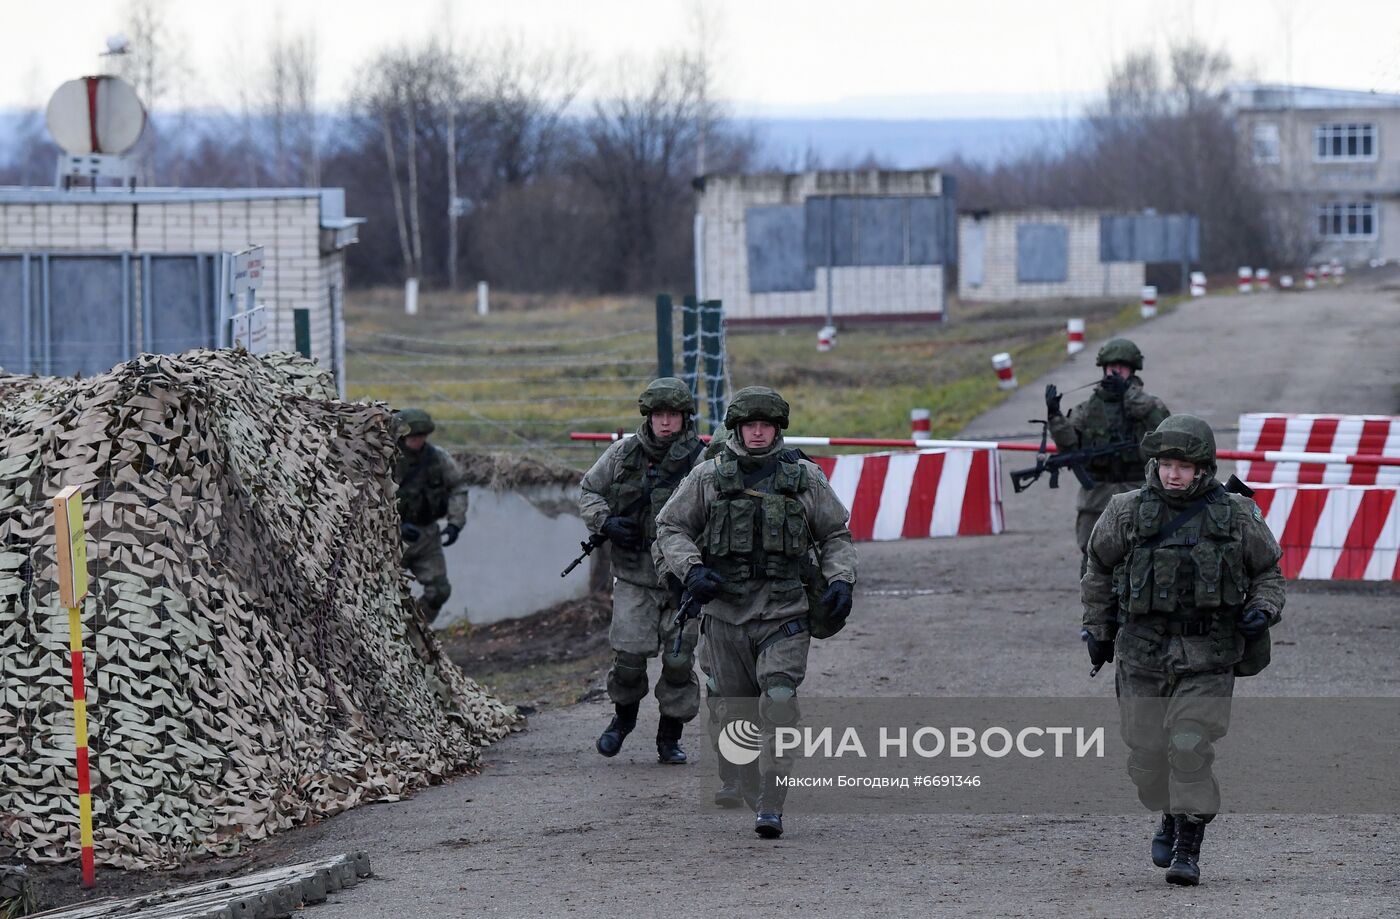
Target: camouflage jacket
[
  {"x": 617, "y": 479},
  {"x": 779, "y": 518},
  {"x": 431, "y": 486},
  {"x": 1223, "y": 561},
  {"x": 1105, "y": 418}
]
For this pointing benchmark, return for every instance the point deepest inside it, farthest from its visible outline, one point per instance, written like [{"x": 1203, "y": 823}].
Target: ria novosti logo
[{"x": 740, "y": 742}]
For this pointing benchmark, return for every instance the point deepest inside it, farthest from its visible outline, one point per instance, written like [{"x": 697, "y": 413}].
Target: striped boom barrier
[
  {"x": 918, "y": 495},
  {"x": 1370, "y": 435},
  {"x": 1271, "y": 456},
  {"x": 71, "y": 544},
  {"x": 1334, "y": 532}
]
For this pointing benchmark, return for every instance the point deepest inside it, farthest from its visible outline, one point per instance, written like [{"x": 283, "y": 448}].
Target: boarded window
[
  {"x": 15, "y": 317},
  {"x": 1149, "y": 238},
  {"x": 89, "y": 326},
  {"x": 844, "y": 231},
  {"x": 774, "y": 237},
  {"x": 179, "y": 303},
  {"x": 1042, "y": 253}
]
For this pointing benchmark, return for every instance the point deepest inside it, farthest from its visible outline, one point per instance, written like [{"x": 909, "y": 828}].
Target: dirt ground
[{"x": 551, "y": 828}]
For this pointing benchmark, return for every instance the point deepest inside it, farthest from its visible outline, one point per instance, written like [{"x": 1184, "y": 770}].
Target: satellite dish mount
[{"x": 96, "y": 120}]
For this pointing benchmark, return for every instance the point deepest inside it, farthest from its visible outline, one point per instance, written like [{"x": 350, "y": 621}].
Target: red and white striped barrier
[
  {"x": 1261, "y": 279},
  {"x": 1149, "y": 302},
  {"x": 917, "y": 495},
  {"x": 1006, "y": 374},
  {"x": 1326, "y": 274},
  {"x": 1310, "y": 279},
  {"x": 1246, "y": 280},
  {"x": 920, "y": 423},
  {"x": 1363, "y": 435},
  {"x": 1334, "y": 532},
  {"x": 826, "y": 337},
  {"x": 1198, "y": 283},
  {"x": 1286, "y": 282},
  {"x": 1074, "y": 336}
]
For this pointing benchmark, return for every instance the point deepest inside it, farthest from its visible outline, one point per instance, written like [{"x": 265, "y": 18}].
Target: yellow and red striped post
[{"x": 72, "y": 588}]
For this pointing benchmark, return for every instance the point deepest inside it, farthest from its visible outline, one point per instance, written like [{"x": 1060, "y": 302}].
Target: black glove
[
  {"x": 409, "y": 533},
  {"x": 450, "y": 534},
  {"x": 703, "y": 583},
  {"x": 1113, "y": 383},
  {"x": 623, "y": 531},
  {"x": 1052, "y": 401},
  {"x": 1254, "y": 623},
  {"x": 837, "y": 600},
  {"x": 1100, "y": 652}
]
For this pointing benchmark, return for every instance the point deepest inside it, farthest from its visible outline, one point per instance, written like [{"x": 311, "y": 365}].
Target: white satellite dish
[{"x": 96, "y": 115}]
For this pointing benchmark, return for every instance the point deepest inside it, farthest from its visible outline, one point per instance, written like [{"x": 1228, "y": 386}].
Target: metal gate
[{"x": 74, "y": 313}]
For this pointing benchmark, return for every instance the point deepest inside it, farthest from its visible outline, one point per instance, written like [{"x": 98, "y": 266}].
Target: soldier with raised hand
[
  {"x": 431, "y": 487},
  {"x": 742, "y": 529},
  {"x": 620, "y": 498},
  {"x": 1182, "y": 586},
  {"x": 1119, "y": 410}
]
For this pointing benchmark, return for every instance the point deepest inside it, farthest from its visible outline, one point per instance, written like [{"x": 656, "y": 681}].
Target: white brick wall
[
  {"x": 856, "y": 291},
  {"x": 288, "y": 228},
  {"x": 1086, "y": 275}
]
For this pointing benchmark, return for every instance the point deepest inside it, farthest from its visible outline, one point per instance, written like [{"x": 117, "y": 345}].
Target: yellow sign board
[{"x": 72, "y": 546}]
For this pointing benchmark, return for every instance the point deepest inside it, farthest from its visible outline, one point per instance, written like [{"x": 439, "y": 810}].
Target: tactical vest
[
  {"x": 632, "y": 477},
  {"x": 422, "y": 486},
  {"x": 1107, "y": 423},
  {"x": 758, "y": 530},
  {"x": 1194, "y": 573}
]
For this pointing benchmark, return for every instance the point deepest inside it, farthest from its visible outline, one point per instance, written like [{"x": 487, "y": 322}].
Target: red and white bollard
[
  {"x": 1149, "y": 302},
  {"x": 920, "y": 424},
  {"x": 1326, "y": 274},
  {"x": 1339, "y": 274},
  {"x": 1310, "y": 279},
  {"x": 1198, "y": 283},
  {"x": 1261, "y": 279},
  {"x": 1286, "y": 282},
  {"x": 1246, "y": 279},
  {"x": 1074, "y": 336},
  {"x": 826, "y": 338},
  {"x": 1006, "y": 375}
]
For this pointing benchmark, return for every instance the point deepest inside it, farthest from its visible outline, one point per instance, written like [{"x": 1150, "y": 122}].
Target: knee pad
[
  {"x": 777, "y": 706},
  {"x": 677, "y": 668},
  {"x": 1190, "y": 750},
  {"x": 629, "y": 668}
]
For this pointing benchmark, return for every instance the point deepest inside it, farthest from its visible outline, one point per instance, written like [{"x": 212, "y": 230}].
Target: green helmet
[
  {"x": 414, "y": 421},
  {"x": 1182, "y": 437},
  {"x": 666, "y": 394},
  {"x": 1120, "y": 351},
  {"x": 756, "y": 403}
]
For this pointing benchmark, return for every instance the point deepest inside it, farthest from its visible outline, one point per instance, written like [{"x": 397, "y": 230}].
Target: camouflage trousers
[
  {"x": 1170, "y": 722},
  {"x": 752, "y": 673},
  {"x": 643, "y": 626},
  {"x": 423, "y": 557}
]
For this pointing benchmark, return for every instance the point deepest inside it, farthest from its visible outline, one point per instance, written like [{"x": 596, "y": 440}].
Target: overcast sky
[{"x": 883, "y": 58}]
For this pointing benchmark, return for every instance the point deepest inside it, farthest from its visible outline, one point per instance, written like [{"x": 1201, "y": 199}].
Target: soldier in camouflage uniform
[
  {"x": 1118, "y": 410},
  {"x": 741, "y": 529},
  {"x": 431, "y": 487},
  {"x": 620, "y": 498},
  {"x": 1182, "y": 587}
]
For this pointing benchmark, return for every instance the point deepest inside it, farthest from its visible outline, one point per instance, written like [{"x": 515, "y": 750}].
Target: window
[
  {"x": 1343, "y": 142},
  {"x": 1347, "y": 220},
  {"x": 1266, "y": 142}
]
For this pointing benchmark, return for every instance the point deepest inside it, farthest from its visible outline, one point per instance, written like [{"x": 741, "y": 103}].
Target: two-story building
[{"x": 1332, "y": 156}]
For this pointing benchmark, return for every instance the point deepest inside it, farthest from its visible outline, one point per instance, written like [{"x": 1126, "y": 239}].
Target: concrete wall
[
  {"x": 297, "y": 274},
  {"x": 1086, "y": 275},
  {"x": 507, "y": 562},
  {"x": 885, "y": 290}
]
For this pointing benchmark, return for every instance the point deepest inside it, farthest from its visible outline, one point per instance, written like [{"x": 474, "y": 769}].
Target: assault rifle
[
  {"x": 588, "y": 545},
  {"x": 1073, "y": 460}
]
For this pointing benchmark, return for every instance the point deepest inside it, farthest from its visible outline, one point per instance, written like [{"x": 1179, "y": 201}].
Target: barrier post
[
  {"x": 1074, "y": 336},
  {"x": 71, "y": 544}
]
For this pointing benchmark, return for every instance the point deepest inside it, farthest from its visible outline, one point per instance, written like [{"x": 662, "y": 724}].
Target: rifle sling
[{"x": 1180, "y": 520}]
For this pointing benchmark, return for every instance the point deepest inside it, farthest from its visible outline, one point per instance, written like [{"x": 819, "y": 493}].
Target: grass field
[{"x": 536, "y": 368}]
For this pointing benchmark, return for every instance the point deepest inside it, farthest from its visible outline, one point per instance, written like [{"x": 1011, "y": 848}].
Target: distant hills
[{"x": 785, "y": 143}]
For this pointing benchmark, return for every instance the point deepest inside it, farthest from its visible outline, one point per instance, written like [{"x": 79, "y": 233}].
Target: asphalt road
[{"x": 551, "y": 828}]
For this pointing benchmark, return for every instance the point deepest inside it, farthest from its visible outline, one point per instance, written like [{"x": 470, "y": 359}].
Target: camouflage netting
[{"x": 252, "y": 657}]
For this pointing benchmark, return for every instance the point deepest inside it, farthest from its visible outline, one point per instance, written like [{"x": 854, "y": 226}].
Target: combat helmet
[
  {"x": 1182, "y": 437},
  {"x": 1120, "y": 351},
  {"x": 756, "y": 403},
  {"x": 414, "y": 421},
  {"x": 667, "y": 394}
]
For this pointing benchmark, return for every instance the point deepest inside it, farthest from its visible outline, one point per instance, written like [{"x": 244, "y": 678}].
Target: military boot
[
  {"x": 668, "y": 741},
  {"x": 1185, "y": 869},
  {"x": 730, "y": 793},
  {"x": 1163, "y": 841},
  {"x": 768, "y": 823},
  {"x": 610, "y": 741}
]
